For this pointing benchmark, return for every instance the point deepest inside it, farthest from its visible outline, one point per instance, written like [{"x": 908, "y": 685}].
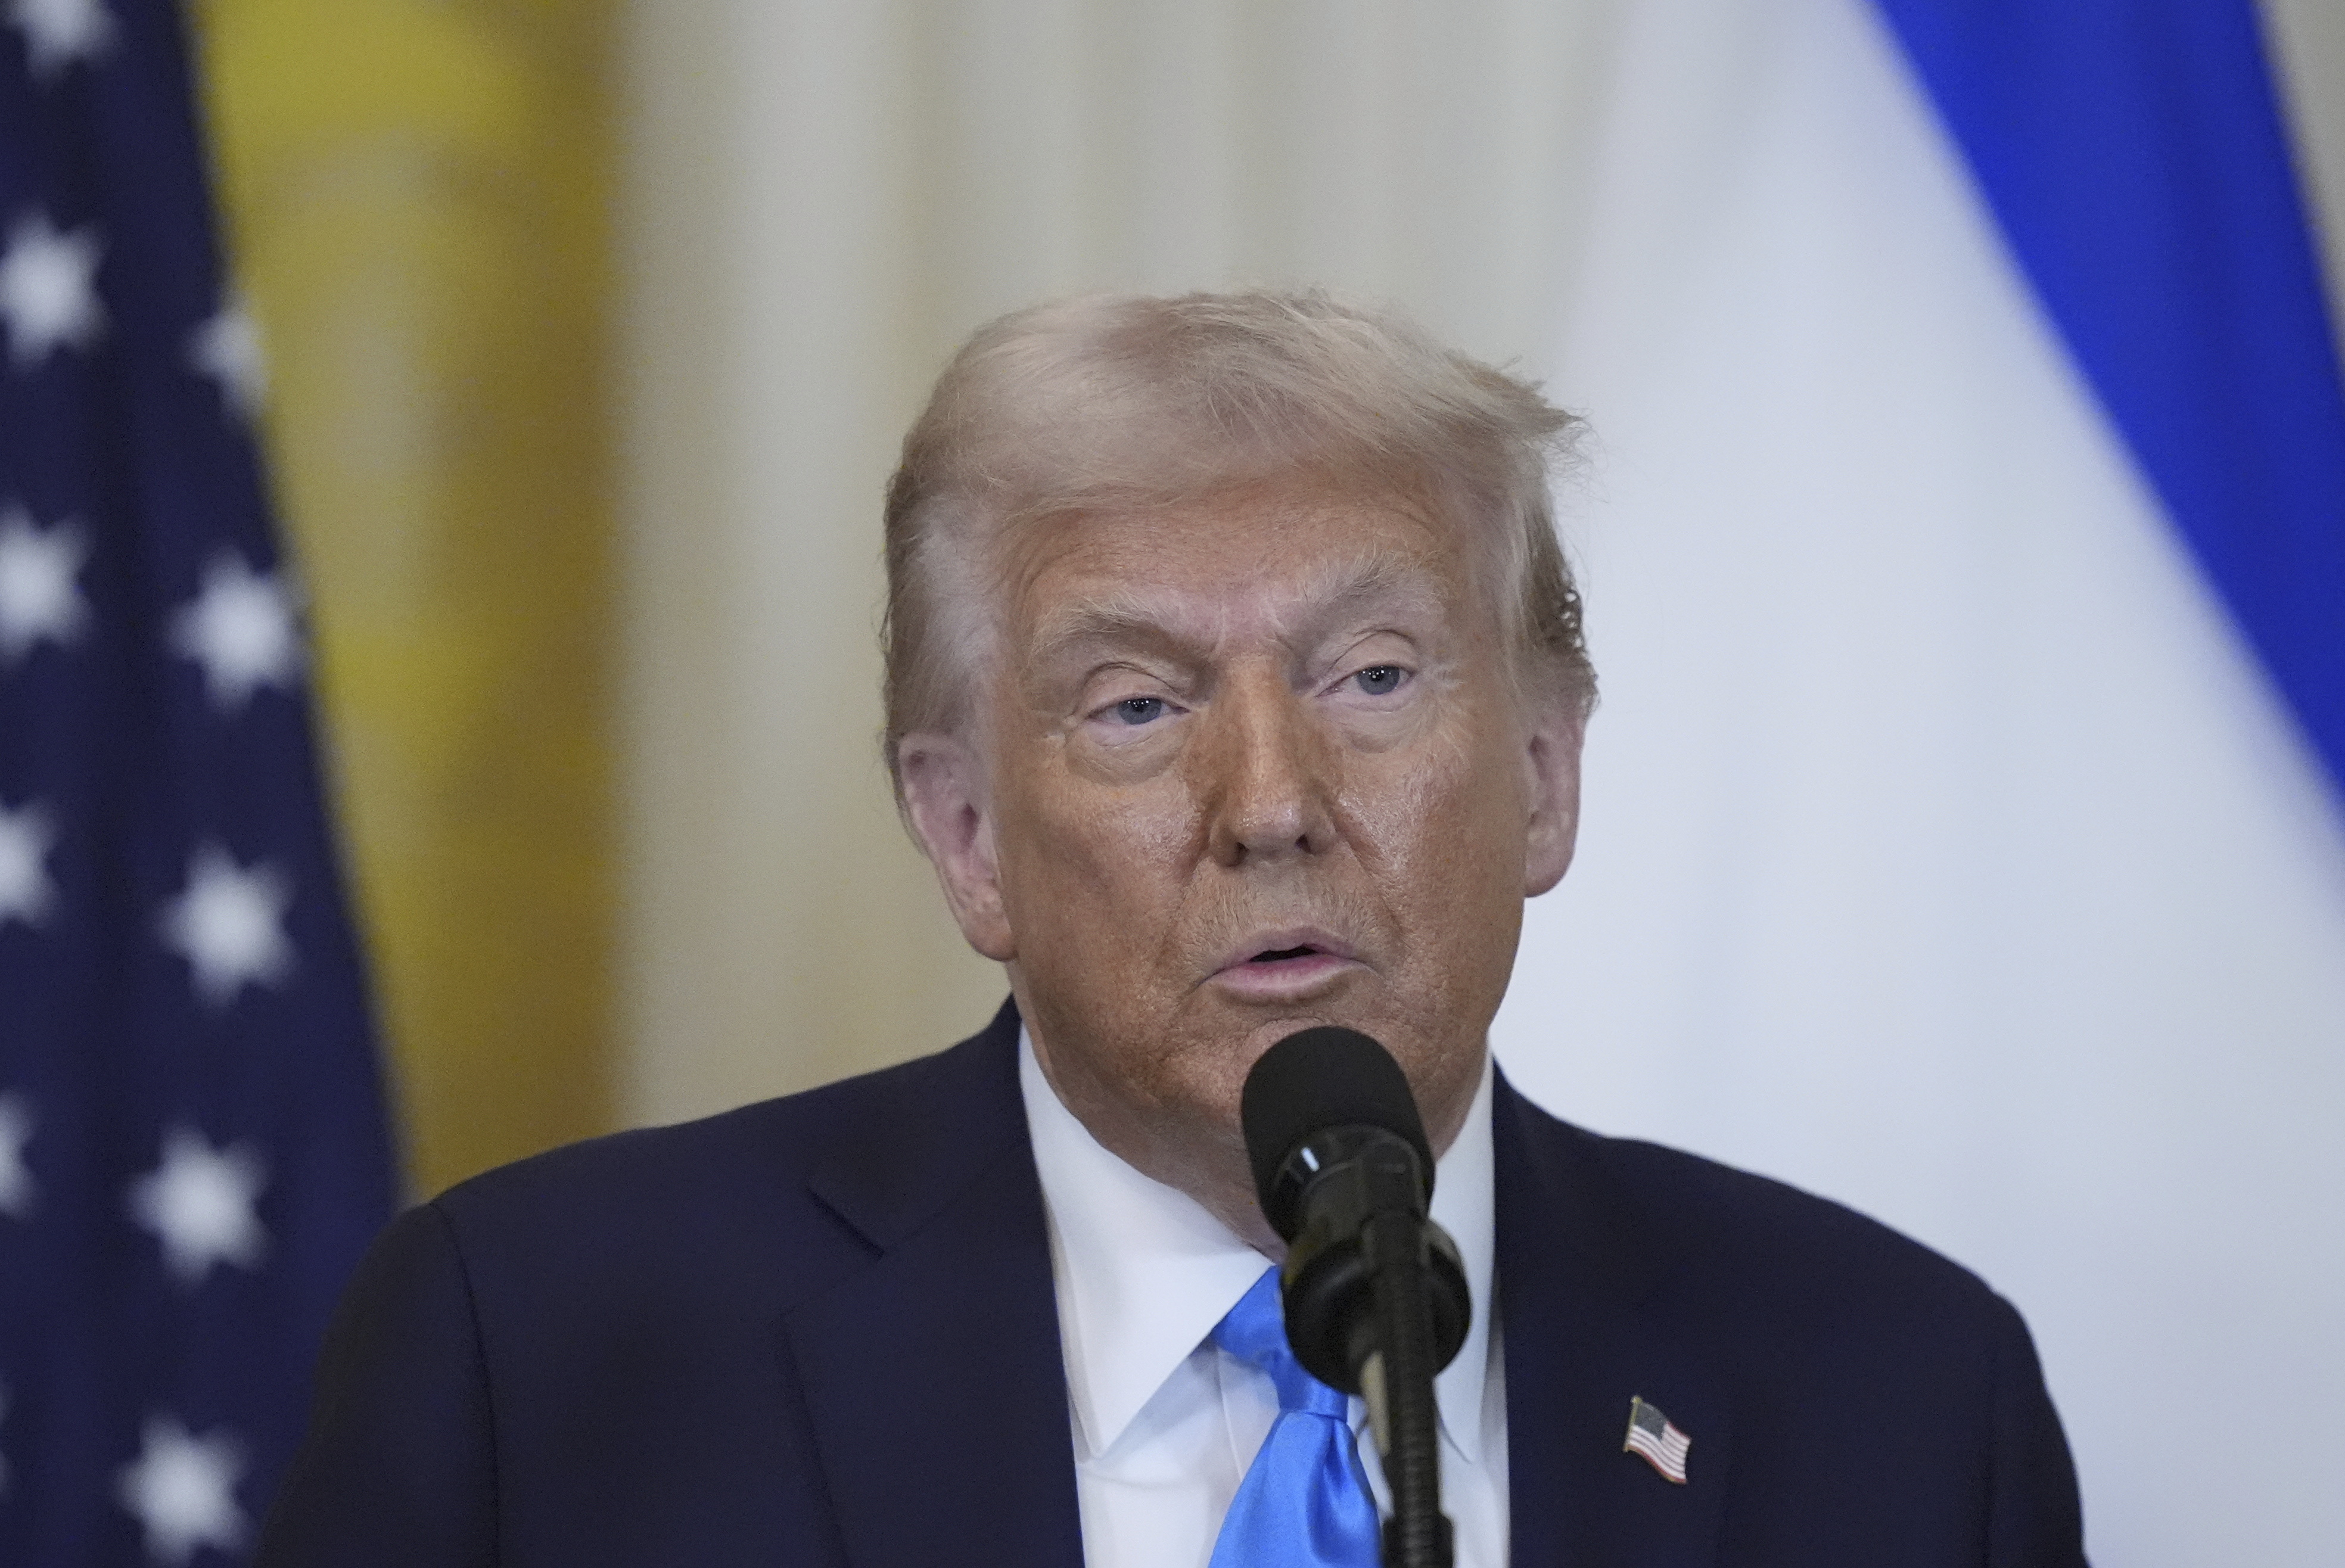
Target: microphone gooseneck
[{"x": 1374, "y": 1294}]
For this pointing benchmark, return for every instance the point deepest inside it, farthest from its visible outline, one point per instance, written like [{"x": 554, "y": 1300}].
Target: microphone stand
[{"x": 1397, "y": 1380}]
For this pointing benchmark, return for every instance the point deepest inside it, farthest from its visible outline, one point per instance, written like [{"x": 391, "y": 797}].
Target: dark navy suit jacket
[{"x": 822, "y": 1330}]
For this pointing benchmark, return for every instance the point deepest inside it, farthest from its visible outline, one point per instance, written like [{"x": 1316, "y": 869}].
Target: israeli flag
[{"x": 1965, "y": 558}]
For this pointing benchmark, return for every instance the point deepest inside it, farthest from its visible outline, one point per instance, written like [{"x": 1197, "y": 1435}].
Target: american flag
[
  {"x": 1650, "y": 1434},
  {"x": 192, "y": 1143}
]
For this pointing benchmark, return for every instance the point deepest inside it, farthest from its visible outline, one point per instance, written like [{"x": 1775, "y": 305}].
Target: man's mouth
[{"x": 1285, "y": 965}]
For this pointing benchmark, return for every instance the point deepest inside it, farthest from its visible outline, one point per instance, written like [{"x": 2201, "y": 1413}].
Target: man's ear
[
  {"x": 945, "y": 796},
  {"x": 1557, "y": 724}
]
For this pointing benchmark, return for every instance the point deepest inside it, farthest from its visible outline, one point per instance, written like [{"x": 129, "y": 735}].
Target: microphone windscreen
[{"x": 1319, "y": 1078}]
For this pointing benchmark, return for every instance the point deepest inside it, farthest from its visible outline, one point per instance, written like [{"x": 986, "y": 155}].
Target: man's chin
[{"x": 1215, "y": 1067}]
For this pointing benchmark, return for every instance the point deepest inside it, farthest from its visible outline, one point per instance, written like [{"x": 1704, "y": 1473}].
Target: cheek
[
  {"x": 1446, "y": 839},
  {"x": 1452, "y": 818},
  {"x": 1092, "y": 866}
]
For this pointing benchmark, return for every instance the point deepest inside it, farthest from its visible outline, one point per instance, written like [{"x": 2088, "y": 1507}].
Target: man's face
[{"x": 1250, "y": 764}]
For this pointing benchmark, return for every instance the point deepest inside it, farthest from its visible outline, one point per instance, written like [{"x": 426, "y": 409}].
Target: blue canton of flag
[{"x": 192, "y": 1142}]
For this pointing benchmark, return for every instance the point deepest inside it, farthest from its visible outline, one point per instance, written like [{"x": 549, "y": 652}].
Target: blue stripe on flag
[{"x": 2133, "y": 154}]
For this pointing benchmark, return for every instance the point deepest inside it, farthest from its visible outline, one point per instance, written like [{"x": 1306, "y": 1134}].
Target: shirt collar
[{"x": 1144, "y": 1272}]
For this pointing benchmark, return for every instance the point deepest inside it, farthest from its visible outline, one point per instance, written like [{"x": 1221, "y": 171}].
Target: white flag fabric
[{"x": 1964, "y": 553}]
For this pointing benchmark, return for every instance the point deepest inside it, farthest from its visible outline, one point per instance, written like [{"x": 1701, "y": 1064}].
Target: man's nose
[{"x": 1268, "y": 775}]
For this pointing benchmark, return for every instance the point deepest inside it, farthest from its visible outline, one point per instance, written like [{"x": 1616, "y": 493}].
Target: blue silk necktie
[{"x": 1305, "y": 1502}]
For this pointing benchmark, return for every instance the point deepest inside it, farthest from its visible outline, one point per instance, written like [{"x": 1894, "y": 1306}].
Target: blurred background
[
  {"x": 590, "y": 332},
  {"x": 592, "y": 327}
]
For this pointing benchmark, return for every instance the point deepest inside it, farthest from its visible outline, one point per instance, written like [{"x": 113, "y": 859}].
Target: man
[{"x": 1236, "y": 685}]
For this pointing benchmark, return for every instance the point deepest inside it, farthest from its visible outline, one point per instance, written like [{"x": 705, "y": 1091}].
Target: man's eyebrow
[
  {"x": 1114, "y": 618},
  {"x": 1405, "y": 582},
  {"x": 1117, "y": 618}
]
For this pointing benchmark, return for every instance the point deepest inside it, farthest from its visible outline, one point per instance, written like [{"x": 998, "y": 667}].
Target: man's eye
[
  {"x": 1140, "y": 709},
  {"x": 1378, "y": 680}
]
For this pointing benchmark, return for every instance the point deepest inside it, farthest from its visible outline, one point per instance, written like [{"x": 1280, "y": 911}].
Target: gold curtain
[{"x": 415, "y": 200}]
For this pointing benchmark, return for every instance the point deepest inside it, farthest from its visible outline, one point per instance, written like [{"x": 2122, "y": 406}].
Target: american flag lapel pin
[{"x": 1662, "y": 1444}]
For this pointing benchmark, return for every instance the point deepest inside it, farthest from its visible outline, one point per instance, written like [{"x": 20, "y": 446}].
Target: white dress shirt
[{"x": 1166, "y": 1423}]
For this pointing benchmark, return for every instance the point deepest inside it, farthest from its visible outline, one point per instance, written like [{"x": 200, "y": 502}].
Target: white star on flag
[
  {"x": 240, "y": 629},
  {"x": 48, "y": 293},
  {"x": 59, "y": 31},
  {"x": 25, "y": 893},
  {"x": 228, "y": 925},
  {"x": 182, "y": 1490},
  {"x": 39, "y": 597},
  {"x": 15, "y": 1176},
  {"x": 199, "y": 1202},
  {"x": 226, "y": 348}
]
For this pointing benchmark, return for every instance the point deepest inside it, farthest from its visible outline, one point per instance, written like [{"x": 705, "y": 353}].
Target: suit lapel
[
  {"x": 932, "y": 1377},
  {"x": 1583, "y": 1338}
]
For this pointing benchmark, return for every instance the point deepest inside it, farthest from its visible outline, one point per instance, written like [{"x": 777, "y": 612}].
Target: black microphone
[{"x": 1374, "y": 1293}]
